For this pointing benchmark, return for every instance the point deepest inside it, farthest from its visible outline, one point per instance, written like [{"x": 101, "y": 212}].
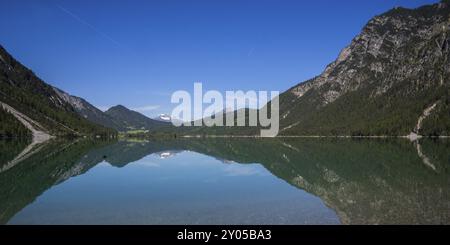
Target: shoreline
[
  {"x": 257, "y": 136},
  {"x": 314, "y": 136}
]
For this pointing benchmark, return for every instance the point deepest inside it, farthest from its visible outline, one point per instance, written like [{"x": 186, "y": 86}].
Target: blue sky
[{"x": 136, "y": 53}]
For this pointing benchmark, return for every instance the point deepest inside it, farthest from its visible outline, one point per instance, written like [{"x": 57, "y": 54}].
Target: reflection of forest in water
[{"x": 366, "y": 181}]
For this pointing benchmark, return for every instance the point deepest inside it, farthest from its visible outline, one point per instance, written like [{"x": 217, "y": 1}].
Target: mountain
[
  {"x": 118, "y": 117},
  {"x": 90, "y": 112},
  {"x": 392, "y": 79},
  {"x": 132, "y": 120},
  {"x": 37, "y": 104},
  {"x": 56, "y": 112},
  {"x": 163, "y": 118}
]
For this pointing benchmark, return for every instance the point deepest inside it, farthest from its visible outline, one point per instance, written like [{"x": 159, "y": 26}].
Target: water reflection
[{"x": 364, "y": 181}]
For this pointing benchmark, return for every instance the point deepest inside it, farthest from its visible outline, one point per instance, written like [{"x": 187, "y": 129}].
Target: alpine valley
[
  {"x": 392, "y": 79},
  {"x": 30, "y": 104},
  {"x": 366, "y": 141}
]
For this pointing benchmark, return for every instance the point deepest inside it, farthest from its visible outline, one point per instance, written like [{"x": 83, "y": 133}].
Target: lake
[{"x": 226, "y": 181}]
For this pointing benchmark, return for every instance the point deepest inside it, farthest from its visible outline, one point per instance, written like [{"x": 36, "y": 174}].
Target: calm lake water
[{"x": 226, "y": 181}]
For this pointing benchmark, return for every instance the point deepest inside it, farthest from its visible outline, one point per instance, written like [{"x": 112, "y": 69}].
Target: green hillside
[{"x": 28, "y": 94}]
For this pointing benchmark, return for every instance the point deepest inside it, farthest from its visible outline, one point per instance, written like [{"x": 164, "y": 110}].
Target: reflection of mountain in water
[
  {"x": 364, "y": 181},
  {"x": 123, "y": 152},
  {"x": 55, "y": 162},
  {"x": 167, "y": 154}
]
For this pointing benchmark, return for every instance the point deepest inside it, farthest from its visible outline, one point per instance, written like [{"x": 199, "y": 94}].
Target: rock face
[
  {"x": 90, "y": 112},
  {"x": 381, "y": 83}
]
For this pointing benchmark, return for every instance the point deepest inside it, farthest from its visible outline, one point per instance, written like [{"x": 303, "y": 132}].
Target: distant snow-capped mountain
[{"x": 163, "y": 118}]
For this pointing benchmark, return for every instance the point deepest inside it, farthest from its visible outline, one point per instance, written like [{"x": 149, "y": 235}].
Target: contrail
[{"x": 74, "y": 16}]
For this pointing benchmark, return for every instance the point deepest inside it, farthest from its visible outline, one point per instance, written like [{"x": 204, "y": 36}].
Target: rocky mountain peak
[
  {"x": 382, "y": 83},
  {"x": 392, "y": 47}
]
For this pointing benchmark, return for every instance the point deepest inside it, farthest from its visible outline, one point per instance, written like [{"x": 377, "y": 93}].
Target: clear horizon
[{"x": 137, "y": 54}]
